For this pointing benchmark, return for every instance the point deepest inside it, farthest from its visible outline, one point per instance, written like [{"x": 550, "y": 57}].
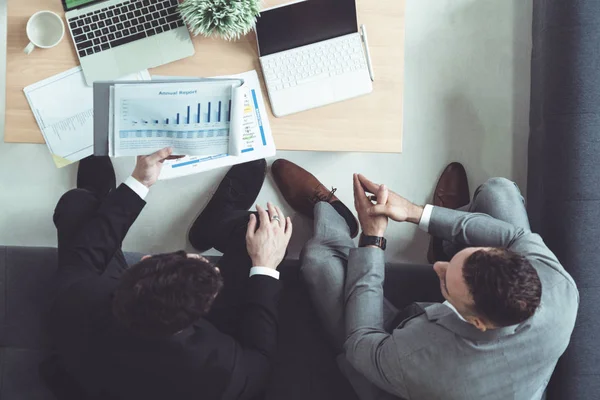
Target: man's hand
[
  {"x": 397, "y": 207},
  {"x": 266, "y": 245},
  {"x": 147, "y": 168},
  {"x": 371, "y": 224}
]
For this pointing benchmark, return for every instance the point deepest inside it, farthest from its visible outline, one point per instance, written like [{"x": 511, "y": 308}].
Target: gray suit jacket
[{"x": 438, "y": 356}]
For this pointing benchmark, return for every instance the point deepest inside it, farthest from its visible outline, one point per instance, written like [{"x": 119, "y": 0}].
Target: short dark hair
[
  {"x": 165, "y": 293},
  {"x": 505, "y": 287}
]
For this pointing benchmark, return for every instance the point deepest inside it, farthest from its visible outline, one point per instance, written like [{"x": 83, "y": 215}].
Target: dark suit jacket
[{"x": 108, "y": 361}]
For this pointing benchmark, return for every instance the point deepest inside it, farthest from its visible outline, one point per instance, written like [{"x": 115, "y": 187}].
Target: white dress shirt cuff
[
  {"x": 137, "y": 187},
  {"x": 264, "y": 271},
  {"x": 425, "y": 218}
]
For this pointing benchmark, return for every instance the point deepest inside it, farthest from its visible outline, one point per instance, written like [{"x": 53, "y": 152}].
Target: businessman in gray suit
[{"x": 510, "y": 306}]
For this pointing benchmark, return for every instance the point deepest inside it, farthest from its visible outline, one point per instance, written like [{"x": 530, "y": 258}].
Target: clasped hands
[{"x": 376, "y": 203}]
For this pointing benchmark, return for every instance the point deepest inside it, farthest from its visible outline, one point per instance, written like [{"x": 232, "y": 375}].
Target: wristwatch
[{"x": 372, "y": 241}]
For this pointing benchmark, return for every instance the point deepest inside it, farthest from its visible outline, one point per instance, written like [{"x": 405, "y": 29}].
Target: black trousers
[
  {"x": 230, "y": 238},
  {"x": 73, "y": 211}
]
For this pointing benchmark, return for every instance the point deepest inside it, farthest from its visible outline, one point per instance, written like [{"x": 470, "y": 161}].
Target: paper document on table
[
  {"x": 194, "y": 118},
  {"x": 63, "y": 108},
  {"x": 256, "y": 141}
]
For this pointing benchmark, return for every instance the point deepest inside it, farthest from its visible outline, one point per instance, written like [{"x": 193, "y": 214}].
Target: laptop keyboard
[
  {"x": 314, "y": 62},
  {"x": 123, "y": 23}
]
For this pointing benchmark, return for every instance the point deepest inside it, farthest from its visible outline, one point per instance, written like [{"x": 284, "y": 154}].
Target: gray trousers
[
  {"x": 325, "y": 257},
  {"x": 324, "y": 260},
  {"x": 499, "y": 198}
]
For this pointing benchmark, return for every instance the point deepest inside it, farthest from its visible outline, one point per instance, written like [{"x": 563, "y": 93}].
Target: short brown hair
[
  {"x": 504, "y": 285},
  {"x": 165, "y": 293}
]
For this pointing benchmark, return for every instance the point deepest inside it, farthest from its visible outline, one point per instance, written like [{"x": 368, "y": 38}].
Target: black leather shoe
[
  {"x": 96, "y": 174},
  {"x": 237, "y": 192}
]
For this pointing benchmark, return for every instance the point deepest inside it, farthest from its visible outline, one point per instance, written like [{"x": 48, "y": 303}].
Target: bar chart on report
[{"x": 178, "y": 118}]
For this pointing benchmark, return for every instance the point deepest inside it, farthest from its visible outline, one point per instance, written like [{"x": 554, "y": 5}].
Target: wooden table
[{"x": 371, "y": 123}]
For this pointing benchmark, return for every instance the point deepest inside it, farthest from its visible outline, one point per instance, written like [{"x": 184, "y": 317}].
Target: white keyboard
[{"x": 314, "y": 62}]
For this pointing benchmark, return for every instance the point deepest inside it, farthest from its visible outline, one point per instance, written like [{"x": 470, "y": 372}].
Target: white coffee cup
[{"x": 45, "y": 29}]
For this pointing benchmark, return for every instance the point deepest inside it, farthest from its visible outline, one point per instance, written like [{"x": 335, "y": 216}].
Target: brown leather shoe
[
  {"x": 302, "y": 190},
  {"x": 452, "y": 191}
]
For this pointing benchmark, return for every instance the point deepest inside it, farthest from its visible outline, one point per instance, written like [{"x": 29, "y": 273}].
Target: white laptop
[
  {"x": 312, "y": 54},
  {"x": 117, "y": 37}
]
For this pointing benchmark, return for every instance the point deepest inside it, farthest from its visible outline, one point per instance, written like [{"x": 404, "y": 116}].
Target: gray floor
[{"x": 466, "y": 99}]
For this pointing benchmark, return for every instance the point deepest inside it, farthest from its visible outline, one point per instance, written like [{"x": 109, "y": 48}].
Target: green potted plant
[{"x": 227, "y": 19}]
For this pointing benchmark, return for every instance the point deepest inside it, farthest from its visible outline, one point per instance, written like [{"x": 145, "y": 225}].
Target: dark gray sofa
[
  {"x": 305, "y": 366},
  {"x": 564, "y": 171}
]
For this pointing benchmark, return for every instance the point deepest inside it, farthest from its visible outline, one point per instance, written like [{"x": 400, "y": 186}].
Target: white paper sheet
[
  {"x": 63, "y": 108},
  {"x": 256, "y": 143}
]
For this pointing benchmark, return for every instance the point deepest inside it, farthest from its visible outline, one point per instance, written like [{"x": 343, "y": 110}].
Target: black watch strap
[{"x": 372, "y": 241}]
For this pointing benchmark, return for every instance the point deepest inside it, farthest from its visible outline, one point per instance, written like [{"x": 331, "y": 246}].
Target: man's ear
[
  {"x": 477, "y": 323},
  {"x": 146, "y": 257}
]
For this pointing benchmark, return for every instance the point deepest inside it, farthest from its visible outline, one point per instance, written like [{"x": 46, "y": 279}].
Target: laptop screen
[
  {"x": 72, "y": 4},
  {"x": 304, "y": 23}
]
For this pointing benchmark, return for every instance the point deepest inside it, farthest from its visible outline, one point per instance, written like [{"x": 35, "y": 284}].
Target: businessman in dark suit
[{"x": 172, "y": 326}]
